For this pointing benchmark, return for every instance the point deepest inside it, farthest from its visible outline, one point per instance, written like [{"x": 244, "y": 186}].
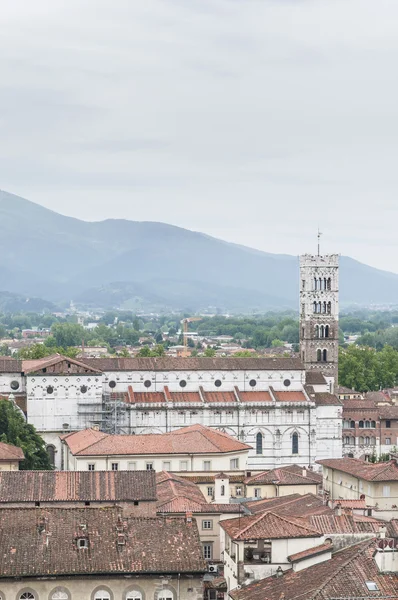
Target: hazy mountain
[{"x": 119, "y": 262}]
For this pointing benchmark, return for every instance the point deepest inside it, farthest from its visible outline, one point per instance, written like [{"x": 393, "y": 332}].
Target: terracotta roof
[
  {"x": 77, "y": 486},
  {"x": 281, "y": 476},
  {"x": 219, "y": 397},
  {"x": 359, "y": 404},
  {"x": 210, "y": 478},
  {"x": 80, "y": 440},
  {"x": 294, "y": 505},
  {"x": 186, "y": 397},
  {"x": 28, "y": 553},
  {"x": 387, "y": 471},
  {"x": 10, "y": 365},
  {"x": 255, "y": 396},
  {"x": 57, "y": 364},
  {"x": 333, "y": 524},
  {"x": 378, "y": 396},
  {"x": 267, "y": 526},
  {"x": 289, "y": 396},
  {"x": 350, "y": 503},
  {"x": 388, "y": 412},
  {"x": 196, "y": 439},
  {"x": 343, "y": 576},
  {"x": 149, "y": 398},
  {"x": 177, "y": 495},
  {"x": 310, "y": 474},
  {"x": 327, "y": 547},
  {"x": 315, "y": 378},
  {"x": 10, "y": 452},
  {"x": 323, "y": 398},
  {"x": 169, "y": 363},
  {"x": 340, "y": 389},
  {"x": 392, "y": 528}
]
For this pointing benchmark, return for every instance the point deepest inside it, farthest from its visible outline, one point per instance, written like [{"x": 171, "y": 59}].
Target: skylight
[{"x": 372, "y": 586}]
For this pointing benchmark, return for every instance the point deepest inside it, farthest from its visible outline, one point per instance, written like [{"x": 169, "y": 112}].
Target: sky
[{"x": 256, "y": 121}]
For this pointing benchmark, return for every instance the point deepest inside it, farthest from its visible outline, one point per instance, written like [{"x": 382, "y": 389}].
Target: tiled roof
[
  {"x": 387, "y": 471},
  {"x": 80, "y": 440},
  {"x": 333, "y": 524},
  {"x": 149, "y": 398},
  {"x": 77, "y": 486},
  {"x": 281, "y": 476},
  {"x": 171, "y": 488},
  {"x": 359, "y": 404},
  {"x": 155, "y": 545},
  {"x": 9, "y": 452},
  {"x": 10, "y": 365},
  {"x": 57, "y": 364},
  {"x": 310, "y": 474},
  {"x": 186, "y": 397},
  {"x": 196, "y": 439},
  {"x": 392, "y": 528},
  {"x": 289, "y": 396},
  {"x": 267, "y": 526},
  {"x": 323, "y": 398},
  {"x": 327, "y": 547},
  {"x": 351, "y": 503},
  {"x": 340, "y": 389},
  {"x": 388, "y": 412},
  {"x": 343, "y": 576},
  {"x": 294, "y": 505},
  {"x": 378, "y": 396},
  {"x": 219, "y": 397},
  {"x": 315, "y": 378},
  {"x": 255, "y": 396},
  {"x": 210, "y": 478},
  {"x": 169, "y": 363}
]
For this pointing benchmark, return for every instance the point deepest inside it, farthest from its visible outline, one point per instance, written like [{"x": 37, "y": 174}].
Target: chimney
[
  {"x": 337, "y": 510},
  {"x": 41, "y": 525},
  {"x": 188, "y": 517},
  {"x": 382, "y": 532},
  {"x": 304, "y": 472}
]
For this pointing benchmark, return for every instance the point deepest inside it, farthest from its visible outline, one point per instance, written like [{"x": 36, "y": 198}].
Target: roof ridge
[{"x": 366, "y": 544}]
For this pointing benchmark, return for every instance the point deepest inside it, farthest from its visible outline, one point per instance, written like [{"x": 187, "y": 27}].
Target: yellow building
[{"x": 10, "y": 457}]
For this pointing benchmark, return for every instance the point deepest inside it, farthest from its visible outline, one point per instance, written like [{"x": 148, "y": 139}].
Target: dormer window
[{"x": 82, "y": 543}]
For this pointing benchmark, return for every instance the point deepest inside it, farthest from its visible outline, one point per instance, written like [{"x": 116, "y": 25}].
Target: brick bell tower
[{"x": 319, "y": 313}]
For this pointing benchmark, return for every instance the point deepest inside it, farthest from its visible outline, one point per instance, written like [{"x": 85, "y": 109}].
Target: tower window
[
  {"x": 303, "y": 284},
  {"x": 319, "y": 355},
  {"x": 329, "y": 308},
  {"x": 325, "y": 356},
  {"x": 295, "y": 443},
  {"x": 259, "y": 443},
  {"x": 327, "y": 331}
]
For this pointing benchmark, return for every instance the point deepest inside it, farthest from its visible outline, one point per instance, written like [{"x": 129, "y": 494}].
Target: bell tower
[{"x": 319, "y": 313}]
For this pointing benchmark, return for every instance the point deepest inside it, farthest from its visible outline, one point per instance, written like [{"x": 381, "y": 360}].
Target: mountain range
[{"x": 130, "y": 264}]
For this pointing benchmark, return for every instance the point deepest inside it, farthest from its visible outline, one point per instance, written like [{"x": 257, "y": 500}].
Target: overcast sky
[{"x": 251, "y": 120}]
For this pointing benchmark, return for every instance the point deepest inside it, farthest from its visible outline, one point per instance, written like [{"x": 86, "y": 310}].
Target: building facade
[{"x": 319, "y": 314}]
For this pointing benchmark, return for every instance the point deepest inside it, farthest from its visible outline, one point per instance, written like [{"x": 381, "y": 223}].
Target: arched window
[
  {"x": 133, "y": 595},
  {"x": 372, "y": 441},
  {"x": 361, "y": 440},
  {"x": 329, "y": 308},
  {"x": 60, "y": 594},
  {"x": 315, "y": 286},
  {"x": 324, "y": 283},
  {"x": 165, "y": 595},
  {"x": 327, "y": 331},
  {"x": 329, "y": 284},
  {"x": 320, "y": 283},
  {"x": 352, "y": 441},
  {"x": 352, "y": 424},
  {"x": 259, "y": 443},
  {"x": 360, "y": 424},
  {"x": 295, "y": 443},
  {"x": 367, "y": 440},
  {"x": 367, "y": 424},
  {"x": 319, "y": 355},
  {"x": 315, "y": 305},
  {"x": 102, "y": 595},
  {"x": 324, "y": 307},
  {"x": 320, "y": 307},
  {"x": 325, "y": 356},
  {"x": 27, "y": 596},
  {"x": 316, "y": 331},
  {"x": 373, "y": 424},
  {"x": 322, "y": 331},
  {"x": 51, "y": 454}
]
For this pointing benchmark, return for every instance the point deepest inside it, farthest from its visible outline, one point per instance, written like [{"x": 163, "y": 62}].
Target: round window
[
  {"x": 112, "y": 384},
  {"x": 147, "y": 383},
  {"x": 286, "y": 382},
  {"x": 183, "y": 383},
  {"x": 14, "y": 385},
  {"x": 83, "y": 389},
  {"x": 252, "y": 382},
  {"x": 50, "y": 389},
  {"x": 218, "y": 383}
]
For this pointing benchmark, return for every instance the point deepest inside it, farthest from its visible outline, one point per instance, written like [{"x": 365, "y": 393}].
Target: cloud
[{"x": 254, "y": 121}]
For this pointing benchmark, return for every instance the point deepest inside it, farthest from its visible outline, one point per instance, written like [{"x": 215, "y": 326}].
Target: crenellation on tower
[{"x": 319, "y": 313}]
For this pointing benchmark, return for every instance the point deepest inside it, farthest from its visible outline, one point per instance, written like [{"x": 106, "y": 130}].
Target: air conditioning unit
[{"x": 212, "y": 568}]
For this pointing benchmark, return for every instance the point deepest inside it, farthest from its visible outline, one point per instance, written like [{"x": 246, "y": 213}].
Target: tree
[
  {"x": 145, "y": 351},
  {"x": 209, "y": 352},
  {"x": 69, "y": 334},
  {"x": 14, "y": 430},
  {"x": 277, "y": 343},
  {"x": 244, "y": 354}
]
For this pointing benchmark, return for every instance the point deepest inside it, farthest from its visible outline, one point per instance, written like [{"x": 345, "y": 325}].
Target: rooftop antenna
[{"x": 319, "y": 242}]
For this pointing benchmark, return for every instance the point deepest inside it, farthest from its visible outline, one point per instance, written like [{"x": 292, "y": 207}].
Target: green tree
[
  {"x": 244, "y": 354},
  {"x": 145, "y": 351},
  {"x": 209, "y": 352},
  {"x": 277, "y": 343},
  {"x": 69, "y": 334},
  {"x": 14, "y": 430}
]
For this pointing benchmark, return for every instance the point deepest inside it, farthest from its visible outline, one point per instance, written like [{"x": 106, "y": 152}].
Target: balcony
[{"x": 255, "y": 556}]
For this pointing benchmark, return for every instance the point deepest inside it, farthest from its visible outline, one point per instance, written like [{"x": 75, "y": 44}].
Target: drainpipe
[{"x": 178, "y": 586}]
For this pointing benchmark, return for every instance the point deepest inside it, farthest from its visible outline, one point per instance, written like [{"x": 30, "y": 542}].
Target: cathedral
[{"x": 284, "y": 408}]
